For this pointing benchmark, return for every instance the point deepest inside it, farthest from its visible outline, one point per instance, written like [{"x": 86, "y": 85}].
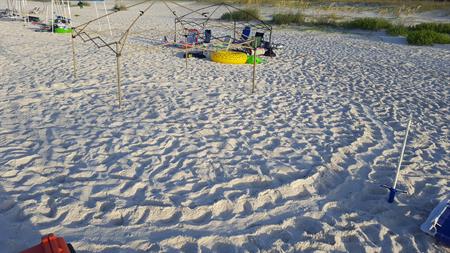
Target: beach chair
[
  {"x": 244, "y": 36},
  {"x": 192, "y": 36},
  {"x": 259, "y": 38},
  {"x": 246, "y": 33},
  {"x": 438, "y": 223},
  {"x": 208, "y": 35}
]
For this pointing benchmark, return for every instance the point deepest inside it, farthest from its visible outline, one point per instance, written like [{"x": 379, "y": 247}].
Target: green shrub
[
  {"x": 420, "y": 38},
  {"x": 120, "y": 7},
  {"x": 398, "y": 30},
  {"x": 241, "y": 15},
  {"x": 427, "y": 37},
  {"x": 441, "y": 38},
  {"x": 373, "y": 24},
  {"x": 80, "y": 4},
  {"x": 324, "y": 21},
  {"x": 288, "y": 18},
  {"x": 436, "y": 27}
]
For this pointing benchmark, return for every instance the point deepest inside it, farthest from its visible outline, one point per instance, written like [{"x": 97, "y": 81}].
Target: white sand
[{"x": 194, "y": 162}]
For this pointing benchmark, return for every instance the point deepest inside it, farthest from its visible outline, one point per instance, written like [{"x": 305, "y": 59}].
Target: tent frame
[
  {"x": 117, "y": 46},
  {"x": 204, "y": 19}
]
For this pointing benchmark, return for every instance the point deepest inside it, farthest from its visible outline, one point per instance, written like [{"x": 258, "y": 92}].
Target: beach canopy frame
[
  {"x": 209, "y": 17},
  {"x": 117, "y": 45}
]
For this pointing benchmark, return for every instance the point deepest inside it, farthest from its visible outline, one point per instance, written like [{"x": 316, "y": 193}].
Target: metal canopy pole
[
  {"x": 402, "y": 153},
  {"x": 234, "y": 30},
  {"x": 175, "y": 34},
  {"x": 74, "y": 60},
  {"x": 254, "y": 68},
  {"x": 107, "y": 18},
  {"x": 96, "y": 13},
  {"x": 52, "y": 17},
  {"x": 393, "y": 190},
  {"x": 119, "y": 96},
  {"x": 186, "y": 56}
]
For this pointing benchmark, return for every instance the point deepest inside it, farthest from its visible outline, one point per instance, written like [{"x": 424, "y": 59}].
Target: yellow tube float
[{"x": 229, "y": 57}]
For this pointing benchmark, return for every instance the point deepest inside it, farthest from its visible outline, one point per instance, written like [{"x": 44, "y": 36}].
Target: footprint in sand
[
  {"x": 164, "y": 215},
  {"x": 197, "y": 215}
]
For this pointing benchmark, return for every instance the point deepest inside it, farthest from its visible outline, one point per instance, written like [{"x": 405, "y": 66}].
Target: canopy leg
[
  {"x": 119, "y": 96},
  {"x": 74, "y": 59}
]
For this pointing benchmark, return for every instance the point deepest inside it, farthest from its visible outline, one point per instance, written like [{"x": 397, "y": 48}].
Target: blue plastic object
[
  {"x": 392, "y": 193},
  {"x": 208, "y": 36},
  {"x": 438, "y": 223},
  {"x": 246, "y": 33}
]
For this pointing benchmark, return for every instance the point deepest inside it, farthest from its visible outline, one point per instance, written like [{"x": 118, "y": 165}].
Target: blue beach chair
[
  {"x": 438, "y": 223},
  {"x": 246, "y": 33}
]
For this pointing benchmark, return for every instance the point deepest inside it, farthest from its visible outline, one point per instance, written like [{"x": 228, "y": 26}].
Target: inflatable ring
[{"x": 229, "y": 57}]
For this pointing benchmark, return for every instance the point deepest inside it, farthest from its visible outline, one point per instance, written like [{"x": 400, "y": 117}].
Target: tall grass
[
  {"x": 436, "y": 27},
  {"x": 247, "y": 14},
  {"x": 427, "y": 37},
  {"x": 398, "y": 30},
  {"x": 288, "y": 18},
  {"x": 83, "y": 4},
  {"x": 120, "y": 7},
  {"x": 373, "y": 24},
  {"x": 421, "y": 34},
  {"x": 400, "y": 6}
]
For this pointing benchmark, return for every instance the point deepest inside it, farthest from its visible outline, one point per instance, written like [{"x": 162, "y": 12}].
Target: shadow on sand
[{"x": 16, "y": 231}]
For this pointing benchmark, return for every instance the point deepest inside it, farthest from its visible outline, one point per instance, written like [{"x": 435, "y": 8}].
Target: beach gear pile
[
  {"x": 248, "y": 49},
  {"x": 62, "y": 25},
  {"x": 54, "y": 16}
]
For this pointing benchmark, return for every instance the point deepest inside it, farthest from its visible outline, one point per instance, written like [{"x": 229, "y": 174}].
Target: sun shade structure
[
  {"x": 201, "y": 21},
  {"x": 209, "y": 17}
]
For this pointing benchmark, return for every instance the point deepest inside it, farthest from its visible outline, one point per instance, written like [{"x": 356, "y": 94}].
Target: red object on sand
[{"x": 49, "y": 244}]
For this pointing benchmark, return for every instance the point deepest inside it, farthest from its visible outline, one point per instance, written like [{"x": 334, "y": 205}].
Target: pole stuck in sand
[
  {"x": 53, "y": 18},
  {"x": 107, "y": 18},
  {"x": 118, "y": 54},
  {"x": 254, "y": 69},
  {"x": 186, "y": 53},
  {"x": 74, "y": 59},
  {"x": 393, "y": 190}
]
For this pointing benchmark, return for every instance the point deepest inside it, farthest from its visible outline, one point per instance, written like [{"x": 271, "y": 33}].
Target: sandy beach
[{"x": 193, "y": 162}]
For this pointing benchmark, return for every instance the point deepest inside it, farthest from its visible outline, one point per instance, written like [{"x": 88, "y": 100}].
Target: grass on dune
[
  {"x": 391, "y": 5},
  {"x": 421, "y": 34},
  {"x": 427, "y": 37},
  {"x": 436, "y": 27},
  {"x": 247, "y": 14},
  {"x": 398, "y": 30},
  {"x": 288, "y": 18},
  {"x": 373, "y": 24},
  {"x": 120, "y": 7}
]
